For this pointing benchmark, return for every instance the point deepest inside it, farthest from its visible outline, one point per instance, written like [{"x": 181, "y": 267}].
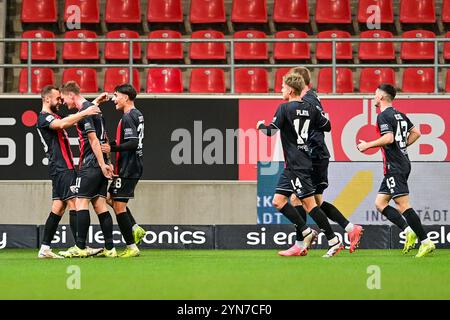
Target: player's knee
[
  {"x": 119, "y": 207},
  {"x": 279, "y": 202},
  {"x": 380, "y": 205}
]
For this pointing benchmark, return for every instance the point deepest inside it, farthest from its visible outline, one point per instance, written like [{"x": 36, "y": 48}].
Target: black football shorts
[
  {"x": 91, "y": 183},
  {"x": 122, "y": 189},
  {"x": 63, "y": 185},
  {"x": 395, "y": 185},
  {"x": 295, "y": 181}
]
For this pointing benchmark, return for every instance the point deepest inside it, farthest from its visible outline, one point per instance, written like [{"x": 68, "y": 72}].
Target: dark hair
[
  {"x": 304, "y": 72},
  {"x": 390, "y": 90},
  {"x": 47, "y": 90},
  {"x": 70, "y": 86},
  {"x": 127, "y": 89}
]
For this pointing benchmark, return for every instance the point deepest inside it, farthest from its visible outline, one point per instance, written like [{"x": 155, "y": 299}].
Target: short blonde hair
[
  {"x": 70, "y": 86},
  {"x": 304, "y": 72},
  {"x": 295, "y": 81}
]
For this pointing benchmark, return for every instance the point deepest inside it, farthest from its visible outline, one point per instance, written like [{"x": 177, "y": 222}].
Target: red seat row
[
  {"x": 247, "y": 80},
  {"x": 243, "y": 11},
  {"x": 243, "y": 51}
]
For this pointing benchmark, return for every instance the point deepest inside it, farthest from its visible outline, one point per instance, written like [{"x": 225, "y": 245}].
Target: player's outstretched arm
[
  {"x": 384, "y": 140},
  {"x": 71, "y": 120},
  {"x": 414, "y": 135},
  {"x": 103, "y": 97},
  {"x": 95, "y": 145}
]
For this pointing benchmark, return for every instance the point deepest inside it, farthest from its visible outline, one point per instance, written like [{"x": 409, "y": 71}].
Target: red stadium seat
[
  {"x": 164, "y": 80},
  {"x": 39, "y": 11},
  {"x": 417, "y": 11},
  {"x": 324, "y": 49},
  {"x": 85, "y": 77},
  {"x": 446, "y": 11},
  {"x": 250, "y": 50},
  {"x": 80, "y": 50},
  {"x": 40, "y": 77},
  {"x": 207, "y": 11},
  {"x": 371, "y": 78},
  {"x": 418, "y": 80},
  {"x": 251, "y": 80},
  {"x": 90, "y": 10},
  {"x": 344, "y": 80},
  {"x": 447, "y": 47},
  {"x": 291, "y": 50},
  {"x": 365, "y": 12},
  {"x": 249, "y": 11},
  {"x": 165, "y": 50},
  {"x": 119, "y": 11},
  {"x": 165, "y": 11},
  {"x": 39, "y": 50},
  {"x": 118, "y": 76},
  {"x": 418, "y": 50},
  {"x": 207, "y": 50},
  {"x": 376, "y": 50},
  {"x": 333, "y": 11},
  {"x": 279, "y": 74},
  {"x": 447, "y": 81},
  {"x": 121, "y": 50},
  {"x": 210, "y": 80},
  {"x": 290, "y": 11}
]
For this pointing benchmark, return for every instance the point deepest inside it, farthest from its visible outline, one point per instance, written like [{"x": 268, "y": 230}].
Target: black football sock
[
  {"x": 414, "y": 222},
  {"x": 302, "y": 212},
  {"x": 83, "y": 223},
  {"x": 125, "y": 226},
  {"x": 73, "y": 223},
  {"x": 395, "y": 217},
  {"x": 50, "y": 228},
  {"x": 133, "y": 222},
  {"x": 334, "y": 214},
  {"x": 322, "y": 222},
  {"x": 292, "y": 214},
  {"x": 106, "y": 223}
]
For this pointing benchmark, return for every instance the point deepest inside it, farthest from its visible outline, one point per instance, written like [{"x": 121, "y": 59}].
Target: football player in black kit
[
  {"x": 129, "y": 166},
  {"x": 396, "y": 133},
  {"x": 320, "y": 157},
  {"x": 51, "y": 129},
  {"x": 296, "y": 121},
  {"x": 93, "y": 174}
]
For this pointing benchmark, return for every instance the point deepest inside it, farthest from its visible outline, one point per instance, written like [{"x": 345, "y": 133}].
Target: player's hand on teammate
[
  {"x": 260, "y": 122},
  {"x": 103, "y": 97},
  {"x": 92, "y": 111},
  {"x": 106, "y": 148},
  {"x": 362, "y": 146}
]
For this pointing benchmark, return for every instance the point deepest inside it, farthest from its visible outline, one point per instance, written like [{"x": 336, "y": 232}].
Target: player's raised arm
[{"x": 71, "y": 120}]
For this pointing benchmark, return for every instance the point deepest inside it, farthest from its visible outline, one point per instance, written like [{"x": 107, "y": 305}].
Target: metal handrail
[{"x": 231, "y": 41}]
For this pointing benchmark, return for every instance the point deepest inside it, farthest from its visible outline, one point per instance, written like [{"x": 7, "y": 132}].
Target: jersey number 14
[{"x": 302, "y": 135}]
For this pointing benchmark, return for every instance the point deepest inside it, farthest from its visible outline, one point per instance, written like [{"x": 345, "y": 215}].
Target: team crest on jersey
[
  {"x": 49, "y": 118},
  {"x": 87, "y": 126},
  {"x": 384, "y": 127}
]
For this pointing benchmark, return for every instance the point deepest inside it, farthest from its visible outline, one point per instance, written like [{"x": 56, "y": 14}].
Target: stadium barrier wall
[{"x": 215, "y": 237}]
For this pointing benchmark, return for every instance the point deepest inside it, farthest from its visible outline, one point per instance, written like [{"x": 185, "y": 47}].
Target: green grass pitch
[{"x": 227, "y": 274}]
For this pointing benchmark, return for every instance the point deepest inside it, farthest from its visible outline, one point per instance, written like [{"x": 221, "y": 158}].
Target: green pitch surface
[{"x": 230, "y": 274}]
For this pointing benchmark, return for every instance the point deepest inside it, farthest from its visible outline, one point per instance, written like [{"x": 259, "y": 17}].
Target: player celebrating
[
  {"x": 296, "y": 120},
  {"x": 93, "y": 175},
  {"x": 129, "y": 166},
  {"x": 320, "y": 160},
  {"x": 394, "y": 127},
  {"x": 60, "y": 163}
]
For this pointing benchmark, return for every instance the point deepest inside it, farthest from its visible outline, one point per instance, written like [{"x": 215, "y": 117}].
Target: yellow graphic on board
[{"x": 356, "y": 190}]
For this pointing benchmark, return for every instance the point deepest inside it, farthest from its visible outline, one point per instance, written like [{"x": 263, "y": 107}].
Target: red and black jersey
[
  {"x": 130, "y": 163},
  {"x": 395, "y": 155},
  {"x": 56, "y": 144},
  {"x": 90, "y": 124}
]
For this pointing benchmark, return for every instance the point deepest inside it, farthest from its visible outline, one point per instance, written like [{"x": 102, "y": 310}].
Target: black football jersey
[
  {"x": 56, "y": 144},
  {"x": 129, "y": 163},
  {"x": 316, "y": 142},
  {"x": 395, "y": 155},
  {"x": 296, "y": 120},
  {"x": 90, "y": 124}
]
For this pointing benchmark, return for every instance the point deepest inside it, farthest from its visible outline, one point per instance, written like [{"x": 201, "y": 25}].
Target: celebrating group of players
[
  {"x": 301, "y": 122},
  {"x": 89, "y": 183}
]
